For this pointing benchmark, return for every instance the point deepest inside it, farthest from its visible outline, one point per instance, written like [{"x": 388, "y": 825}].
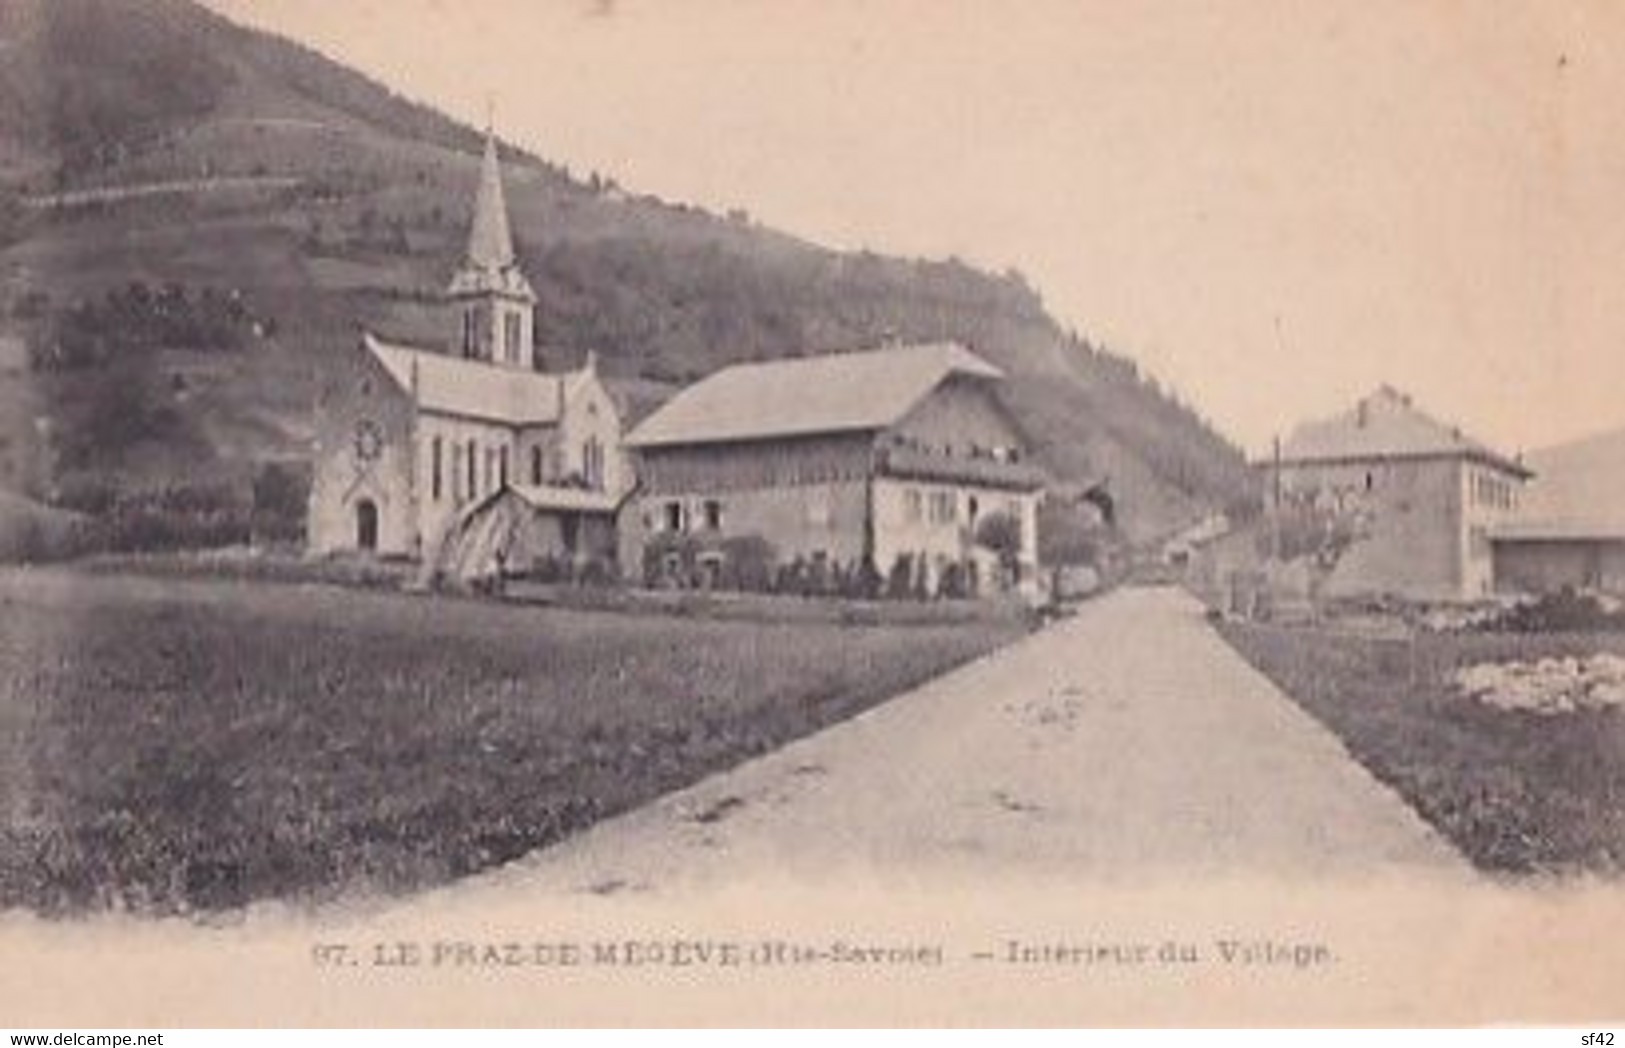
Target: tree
[
  {"x": 900, "y": 583},
  {"x": 12, "y": 216},
  {"x": 1000, "y": 533},
  {"x": 399, "y": 242},
  {"x": 1302, "y": 527},
  {"x": 278, "y": 507}
]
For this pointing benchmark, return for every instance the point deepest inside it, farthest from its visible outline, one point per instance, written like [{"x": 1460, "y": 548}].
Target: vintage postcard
[{"x": 605, "y": 512}]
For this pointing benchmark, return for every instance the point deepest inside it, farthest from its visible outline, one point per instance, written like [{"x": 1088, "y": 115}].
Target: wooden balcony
[{"x": 913, "y": 463}]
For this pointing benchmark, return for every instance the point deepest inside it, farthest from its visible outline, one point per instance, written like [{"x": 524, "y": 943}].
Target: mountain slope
[{"x": 303, "y": 199}]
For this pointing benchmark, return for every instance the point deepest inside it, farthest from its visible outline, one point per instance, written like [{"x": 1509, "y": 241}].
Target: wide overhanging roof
[{"x": 803, "y": 396}]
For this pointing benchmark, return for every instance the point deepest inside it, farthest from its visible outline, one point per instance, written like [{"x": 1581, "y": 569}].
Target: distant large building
[
  {"x": 1425, "y": 498},
  {"x": 886, "y": 456},
  {"x": 411, "y": 440}
]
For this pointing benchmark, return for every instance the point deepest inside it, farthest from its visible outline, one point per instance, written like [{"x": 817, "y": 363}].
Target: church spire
[
  {"x": 490, "y": 265},
  {"x": 490, "y": 241},
  {"x": 492, "y": 304}
]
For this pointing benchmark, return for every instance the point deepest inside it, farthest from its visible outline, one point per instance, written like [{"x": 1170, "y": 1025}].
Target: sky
[{"x": 1274, "y": 206}]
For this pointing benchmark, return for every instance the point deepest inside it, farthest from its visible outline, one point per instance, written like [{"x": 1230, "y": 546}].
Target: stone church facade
[{"x": 411, "y": 441}]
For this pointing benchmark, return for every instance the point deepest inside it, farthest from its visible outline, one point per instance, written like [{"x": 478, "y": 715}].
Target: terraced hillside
[{"x": 158, "y": 161}]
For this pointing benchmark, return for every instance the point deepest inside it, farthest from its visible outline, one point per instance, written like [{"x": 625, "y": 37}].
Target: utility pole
[
  {"x": 1275, "y": 498},
  {"x": 1275, "y": 465}
]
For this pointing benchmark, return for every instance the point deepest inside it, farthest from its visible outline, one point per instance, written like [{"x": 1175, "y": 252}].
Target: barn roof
[
  {"x": 831, "y": 393},
  {"x": 1576, "y": 492},
  {"x": 470, "y": 388},
  {"x": 1385, "y": 425},
  {"x": 1558, "y": 530}
]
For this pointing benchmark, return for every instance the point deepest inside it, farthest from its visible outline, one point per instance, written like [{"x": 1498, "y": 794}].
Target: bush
[
  {"x": 1563, "y": 612},
  {"x": 660, "y": 551},
  {"x": 89, "y": 495},
  {"x": 865, "y": 582},
  {"x": 747, "y": 563},
  {"x": 954, "y": 584},
  {"x": 176, "y": 518},
  {"x": 13, "y": 217},
  {"x": 138, "y": 318},
  {"x": 40, "y": 539},
  {"x": 918, "y": 590},
  {"x": 900, "y": 581},
  {"x": 1000, "y": 533},
  {"x": 548, "y": 569},
  {"x": 1303, "y": 528},
  {"x": 279, "y": 496},
  {"x": 595, "y": 572},
  {"x": 819, "y": 581},
  {"x": 33, "y": 305},
  {"x": 1072, "y": 533},
  {"x": 792, "y": 577}
]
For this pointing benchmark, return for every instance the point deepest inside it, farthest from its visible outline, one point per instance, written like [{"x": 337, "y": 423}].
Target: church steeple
[
  {"x": 492, "y": 301},
  {"x": 490, "y": 242}
]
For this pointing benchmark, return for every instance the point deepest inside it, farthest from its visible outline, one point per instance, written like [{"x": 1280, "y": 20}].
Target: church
[{"x": 416, "y": 446}]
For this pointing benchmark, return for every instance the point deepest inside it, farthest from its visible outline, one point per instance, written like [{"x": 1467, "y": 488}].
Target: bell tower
[{"x": 492, "y": 305}]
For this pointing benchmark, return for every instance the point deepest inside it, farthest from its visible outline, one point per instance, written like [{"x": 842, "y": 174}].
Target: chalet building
[
  {"x": 412, "y": 442},
  {"x": 1420, "y": 497},
  {"x": 1570, "y": 530},
  {"x": 835, "y": 460}
]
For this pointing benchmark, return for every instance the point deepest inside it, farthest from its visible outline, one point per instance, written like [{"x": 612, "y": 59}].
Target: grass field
[
  {"x": 195, "y": 745},
  {"x": 1515, "y": 791}
]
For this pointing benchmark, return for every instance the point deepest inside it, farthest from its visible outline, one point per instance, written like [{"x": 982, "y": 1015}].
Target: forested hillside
[{"x": 195, "y": 217}]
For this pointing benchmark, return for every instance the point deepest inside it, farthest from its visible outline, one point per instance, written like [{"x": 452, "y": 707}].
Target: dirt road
[{"x": 1127, "y": 742}]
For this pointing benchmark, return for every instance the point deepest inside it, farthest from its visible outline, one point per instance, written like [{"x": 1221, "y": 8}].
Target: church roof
[
  {"x": 832, "y": 393},
  {"x": 1385, "y": 425},
  {"x": 471, "y": 388},
  {"x": 490, "y": 263}
]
